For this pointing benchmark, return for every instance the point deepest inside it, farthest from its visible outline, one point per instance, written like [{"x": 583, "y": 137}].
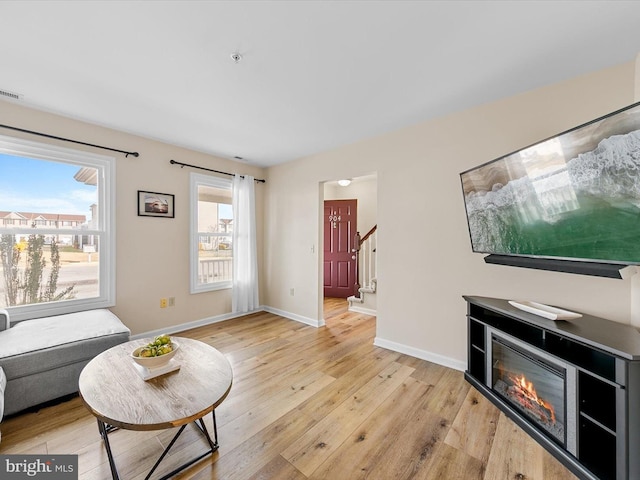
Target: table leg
[
  {"x": 104, "y": 429},
  {"x": 212, "y": 443}
]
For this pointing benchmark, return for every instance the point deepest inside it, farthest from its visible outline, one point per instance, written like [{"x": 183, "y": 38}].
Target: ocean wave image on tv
[{"x": 537, "y": 203}]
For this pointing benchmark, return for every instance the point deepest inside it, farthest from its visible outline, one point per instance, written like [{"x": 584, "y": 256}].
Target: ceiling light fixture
[{"x": 344, "y": 183}]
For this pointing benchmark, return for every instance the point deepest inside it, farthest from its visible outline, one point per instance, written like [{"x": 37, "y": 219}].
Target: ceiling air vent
[{"x": 15, "y": 96}]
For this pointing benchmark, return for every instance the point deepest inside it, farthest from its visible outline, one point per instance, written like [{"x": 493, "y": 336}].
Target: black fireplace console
[{"x": 596, "y": 360}]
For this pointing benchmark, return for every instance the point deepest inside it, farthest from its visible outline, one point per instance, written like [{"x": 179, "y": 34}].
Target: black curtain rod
[
  {"x": 126, "y": 154},
  {"x": 182, "y": 165}
]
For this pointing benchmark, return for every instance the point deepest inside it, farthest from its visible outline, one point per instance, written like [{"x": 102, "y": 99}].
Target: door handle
[{"x": 353, "y": 257}]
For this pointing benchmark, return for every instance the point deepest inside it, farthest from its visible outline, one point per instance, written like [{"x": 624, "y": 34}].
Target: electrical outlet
[
  {"x": 163, "y": 303},
  {"x": 172, "y": 301},
  {"x": 292, "y": 292}
]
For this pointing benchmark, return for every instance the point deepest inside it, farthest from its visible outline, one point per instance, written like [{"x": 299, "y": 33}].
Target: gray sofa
[{"x": 42, "y": 358}]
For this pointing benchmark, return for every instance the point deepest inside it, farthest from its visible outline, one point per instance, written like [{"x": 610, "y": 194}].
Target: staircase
[{"x": 364, "y": 300}]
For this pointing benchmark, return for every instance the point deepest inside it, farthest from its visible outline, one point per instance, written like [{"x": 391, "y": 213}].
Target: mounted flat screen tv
[{"x": 574, "y": 196}]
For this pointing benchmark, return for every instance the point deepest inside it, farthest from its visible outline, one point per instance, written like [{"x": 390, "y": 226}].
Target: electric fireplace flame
[
  {"x": 535, "y": 388},
  {"x": 523, "y": 392}
]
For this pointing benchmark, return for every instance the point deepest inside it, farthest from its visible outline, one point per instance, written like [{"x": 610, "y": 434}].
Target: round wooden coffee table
[{"x": 114, "y": 391}]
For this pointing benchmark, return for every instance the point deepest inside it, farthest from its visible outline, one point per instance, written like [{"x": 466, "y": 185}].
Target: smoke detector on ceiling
[
  {"x": 12, "y": 95},
  {"x": 236, "y": 57}
]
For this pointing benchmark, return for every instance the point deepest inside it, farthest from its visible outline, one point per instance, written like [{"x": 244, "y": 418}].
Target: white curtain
[{"x": 245, "y": 258}]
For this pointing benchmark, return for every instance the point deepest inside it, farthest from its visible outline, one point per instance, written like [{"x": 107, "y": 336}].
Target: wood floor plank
[
  {"x": 35, "y": 447},
  {"x": 250, "y": 394},
  {"x": 311, "y": 403},
  {"x": 514, "y": 455},
  {"x": 326, "y": 436},
  {"x": 92, "y": 460},
  {"x": 451, "y": 392},
  {"x": 131, "y": 457},
  {"x": 427, "y": 372},
  {"x": 41, "y": 422},
  {"x": 474, "y": 427},
  {"x": 180, "y": 453},
  {"x": 346, "y": 385},
  {"x": 73, "y": 437},
  {"x": 279, "y": 469},
  {"x": 370, "y": 442},
  {"x": 248, "y": 458},
  {"x": 275, "y": 405},
  {"x": 412, "y": 451},
  {"x": 451, "y": 463}
]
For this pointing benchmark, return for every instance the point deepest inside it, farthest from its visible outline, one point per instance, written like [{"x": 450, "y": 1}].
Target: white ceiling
[{"x": 314, "y": 75}]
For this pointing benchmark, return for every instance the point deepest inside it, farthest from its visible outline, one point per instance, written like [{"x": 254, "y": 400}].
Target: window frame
[
  {"x": 195, "y": 180},
  {"x": 106, "y": 231}
]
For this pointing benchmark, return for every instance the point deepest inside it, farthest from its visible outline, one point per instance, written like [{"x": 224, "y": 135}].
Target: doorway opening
[{"x": 348, "y": 210}]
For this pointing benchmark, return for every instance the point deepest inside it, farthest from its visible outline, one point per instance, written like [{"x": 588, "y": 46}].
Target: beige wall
[
  {"x": 152, "y": 253},
  {"x": 421, "y": 279}
]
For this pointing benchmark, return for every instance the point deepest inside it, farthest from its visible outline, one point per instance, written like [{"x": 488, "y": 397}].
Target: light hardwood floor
[{"x": 312, "y": 403}]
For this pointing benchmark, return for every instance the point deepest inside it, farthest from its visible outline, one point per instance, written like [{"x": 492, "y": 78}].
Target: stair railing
[{"x": 366, "y": 261}]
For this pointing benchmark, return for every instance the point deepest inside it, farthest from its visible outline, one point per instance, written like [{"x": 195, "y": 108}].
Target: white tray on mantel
[{"x": 546, "y": 311}]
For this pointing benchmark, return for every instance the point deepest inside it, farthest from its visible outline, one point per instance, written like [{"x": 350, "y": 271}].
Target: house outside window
[
  {"x": 56, "y": 229},
  {"x": 211, "y": 233}
]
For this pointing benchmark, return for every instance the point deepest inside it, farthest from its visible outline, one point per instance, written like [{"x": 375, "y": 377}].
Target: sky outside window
[{"x": 41, "y": 186}]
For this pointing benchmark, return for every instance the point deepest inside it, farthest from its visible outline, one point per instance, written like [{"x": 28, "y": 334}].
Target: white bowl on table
[{"x": 154, "y": 362}]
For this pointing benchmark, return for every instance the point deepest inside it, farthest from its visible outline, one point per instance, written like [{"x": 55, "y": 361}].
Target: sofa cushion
[
  {"x": 47, "y": 332},
  {"x": 43, "y": 344}
]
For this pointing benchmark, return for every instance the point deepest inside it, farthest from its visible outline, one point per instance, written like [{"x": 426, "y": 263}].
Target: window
[
  {"x": 211, "y": 233},
  {"x": 57, "y": 205}
]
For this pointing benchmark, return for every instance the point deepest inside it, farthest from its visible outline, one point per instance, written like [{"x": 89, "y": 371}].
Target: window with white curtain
[
  {"x": 57, "y": 229},
  {"x": 211, "y": 233}
]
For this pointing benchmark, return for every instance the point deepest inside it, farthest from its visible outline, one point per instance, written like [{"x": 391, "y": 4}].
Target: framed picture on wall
[{"x": 154, "y": 204}]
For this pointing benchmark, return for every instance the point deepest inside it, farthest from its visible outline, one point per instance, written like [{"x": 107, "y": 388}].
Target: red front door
[{"x": 340, "y": 221}]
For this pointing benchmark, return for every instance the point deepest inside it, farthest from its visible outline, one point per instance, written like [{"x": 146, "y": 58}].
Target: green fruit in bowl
[
  {"x": 161, "y": 345},
  {"x": 162, "y": 349},
  {"x": 147, "y": 352},
  {"x": 162, "y": 340},
  {"x": 155, "y": 356}
]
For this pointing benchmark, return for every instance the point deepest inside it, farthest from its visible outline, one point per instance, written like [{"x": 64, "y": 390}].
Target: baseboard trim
[
  {"x": 294, "y": 316},
  {"x": 363, "y": 310},
  {"x": 195, "y": 324},
  {"x": 421, "y": 354},
  {"x": 227, "y": 316}
]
